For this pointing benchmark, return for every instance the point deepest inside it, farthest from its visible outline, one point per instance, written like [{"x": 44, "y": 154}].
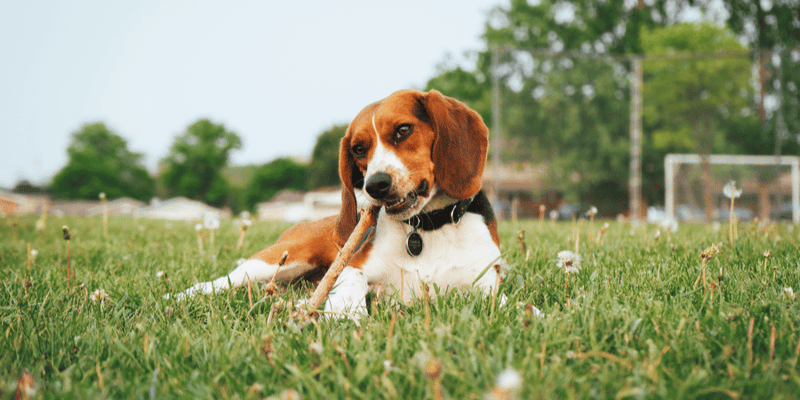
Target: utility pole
[
  {"x": 495, "y": 134},
  {"x": 635, "y": 182}
]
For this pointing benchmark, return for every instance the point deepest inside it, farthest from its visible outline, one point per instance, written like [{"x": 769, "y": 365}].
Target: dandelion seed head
[
  {"x": 34, "y": 252},
  {"x": 99, "y": 295},
  {"x": 789, "y": 293},
  {"x": 553, "y": 215},
  {"x": 669, "y": 225},
  {"x": 102, "y": 195},
  {"x": 592, "y": 211},
  {"x": 198, "y": 227},
  {"x": 211, "y": 222},
  {"x": 388, "y": 366},
  {"x": 509, "y": 379},
  {"x": 730, "y": 191},
  {"x": 316, "y": 347},
  {"x": 569, "y": 261}
]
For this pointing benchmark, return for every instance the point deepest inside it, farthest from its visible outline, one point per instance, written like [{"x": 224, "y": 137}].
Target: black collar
[{"x": 433, "y": 220}]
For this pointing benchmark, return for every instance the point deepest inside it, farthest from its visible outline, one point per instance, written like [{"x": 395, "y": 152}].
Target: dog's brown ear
[
  {"x": 460, "y": 147},
  {"x": 351, "y": 178}
]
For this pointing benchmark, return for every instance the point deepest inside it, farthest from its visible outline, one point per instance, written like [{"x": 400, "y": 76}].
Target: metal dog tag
[{"x": 414, "y": 243}]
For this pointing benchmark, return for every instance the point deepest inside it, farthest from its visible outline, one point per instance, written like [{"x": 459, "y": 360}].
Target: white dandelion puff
[
  {"x": 569, "y": 261},
  {"x": 730, "y": 191},
  {"x": 316, "y": 347},
  {"x": 509, "y": 379},
  {"x": 669, "y": 225},
  {"x": 388, "y": 366},
  {"x": 211, "y": 222},
  {"x": 99, "y": 295}
]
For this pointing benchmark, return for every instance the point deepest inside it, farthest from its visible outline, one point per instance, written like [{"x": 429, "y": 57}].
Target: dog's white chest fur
[{"x": 452, "y": 256}]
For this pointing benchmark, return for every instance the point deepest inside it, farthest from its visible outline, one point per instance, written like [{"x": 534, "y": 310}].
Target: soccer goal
[{"x": 770, "y": 187}]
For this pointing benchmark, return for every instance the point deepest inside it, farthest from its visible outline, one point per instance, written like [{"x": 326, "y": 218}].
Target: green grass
[{"x": 635, "y": 325}]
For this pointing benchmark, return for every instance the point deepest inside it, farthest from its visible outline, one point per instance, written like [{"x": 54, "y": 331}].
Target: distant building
[
  {"x": 124, "y": 206},
  {"x": 8, "y": 204},
  {"x": 293, "y": 206},
  {"x": 72, "y": 207},
  {"x": 21, "y": 204},
  {"x": 179, "y": 209}
]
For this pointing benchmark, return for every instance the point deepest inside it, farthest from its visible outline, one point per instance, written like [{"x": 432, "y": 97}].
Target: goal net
[{"x": 770, "y": 187}]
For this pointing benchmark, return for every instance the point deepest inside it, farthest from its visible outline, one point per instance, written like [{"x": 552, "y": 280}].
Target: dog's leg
[
  {"x": 252, "y": 270},
  {"x": 348, "y": 297}
]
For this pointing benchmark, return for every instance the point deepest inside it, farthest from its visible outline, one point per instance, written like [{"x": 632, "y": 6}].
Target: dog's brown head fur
[{"x": 405, "y": 148}]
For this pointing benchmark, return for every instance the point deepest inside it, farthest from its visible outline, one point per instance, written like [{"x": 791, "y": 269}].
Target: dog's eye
[
  {"x": 358, "y": 151},
  {"x": 402, "y": 132}
]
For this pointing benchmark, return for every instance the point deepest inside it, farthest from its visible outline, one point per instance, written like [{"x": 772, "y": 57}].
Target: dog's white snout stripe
[{"x": 384, "y": 159}]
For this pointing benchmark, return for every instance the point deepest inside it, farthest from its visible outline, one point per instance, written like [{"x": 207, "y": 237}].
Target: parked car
[
  {"x": 568, "y": 210},
  {"x": 743, "y": 214},
  {"x": 781, "y": 213}
]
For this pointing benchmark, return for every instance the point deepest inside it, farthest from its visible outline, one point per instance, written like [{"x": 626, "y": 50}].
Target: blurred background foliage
[{"x": 564, "y": 68}]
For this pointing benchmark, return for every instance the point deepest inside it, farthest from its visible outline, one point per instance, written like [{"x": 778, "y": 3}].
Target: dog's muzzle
[{"x": 379, "y": 187}]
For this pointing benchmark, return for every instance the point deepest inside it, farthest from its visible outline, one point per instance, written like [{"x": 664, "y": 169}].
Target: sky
[{"x": 278, "y": 73}]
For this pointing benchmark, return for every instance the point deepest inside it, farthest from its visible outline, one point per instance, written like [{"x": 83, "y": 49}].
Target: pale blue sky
[{"x": 276, "y": 72}]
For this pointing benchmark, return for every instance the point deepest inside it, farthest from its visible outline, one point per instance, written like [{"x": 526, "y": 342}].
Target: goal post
[{"x": 672, "y": 162}]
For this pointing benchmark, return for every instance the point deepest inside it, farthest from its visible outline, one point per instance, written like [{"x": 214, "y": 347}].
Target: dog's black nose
[{"x": 378, "y": 185}]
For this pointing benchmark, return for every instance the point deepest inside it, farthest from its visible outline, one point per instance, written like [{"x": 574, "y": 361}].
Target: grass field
[{"x": 631, "y": 323}]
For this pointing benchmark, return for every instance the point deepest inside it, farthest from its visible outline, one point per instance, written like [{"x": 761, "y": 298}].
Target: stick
[{"x": 368, "y": 219}]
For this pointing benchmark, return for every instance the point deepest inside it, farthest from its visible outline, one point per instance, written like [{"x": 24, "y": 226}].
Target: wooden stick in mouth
[{"x": 368, "y": 218}]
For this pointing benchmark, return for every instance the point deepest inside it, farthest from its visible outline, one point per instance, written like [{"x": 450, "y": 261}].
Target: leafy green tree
[
  {"x": 565, "y": 89},
  {"x": 194, "y": 165},
  {"x": 772, "y": 30},
  {"x": 570, "y": 111},
  {"x": 99, "y": 161},
  {"x": 274, "y": 176},
  {"x": 26, "y": 187},
  {"x": 466, "y": 86},
  {"x": 323, "y": 170}
]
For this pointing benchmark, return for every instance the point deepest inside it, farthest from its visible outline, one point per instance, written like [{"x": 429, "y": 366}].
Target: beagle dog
[{"x": 420, "y": 156}]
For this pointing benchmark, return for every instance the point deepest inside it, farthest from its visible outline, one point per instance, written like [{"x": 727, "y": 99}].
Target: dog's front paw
[
  {"x": 200, "y": 288},
  {"x": 348, "y": 297}
]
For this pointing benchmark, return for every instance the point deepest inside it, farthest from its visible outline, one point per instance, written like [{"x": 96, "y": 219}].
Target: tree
[
  {"x": 274, "y": 176},
  {"x": 685, "y": 99},
  {"x": 772, "y": 30},
  {"x": 26, "y": 187},
  {"x": 564, "y": 89},
  {"x": 99, "y": 161},
  {"x": 195, "y": 162},
  {"x": 323, "y": 170}
]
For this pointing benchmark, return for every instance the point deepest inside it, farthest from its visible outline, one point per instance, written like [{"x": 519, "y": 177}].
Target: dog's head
[{"x": 405, "y": 148}]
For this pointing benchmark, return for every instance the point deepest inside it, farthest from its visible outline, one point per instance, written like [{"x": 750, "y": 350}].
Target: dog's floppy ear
[
  {"x": 460, "y": 147},
  {"x": 351, "y": 178}
]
